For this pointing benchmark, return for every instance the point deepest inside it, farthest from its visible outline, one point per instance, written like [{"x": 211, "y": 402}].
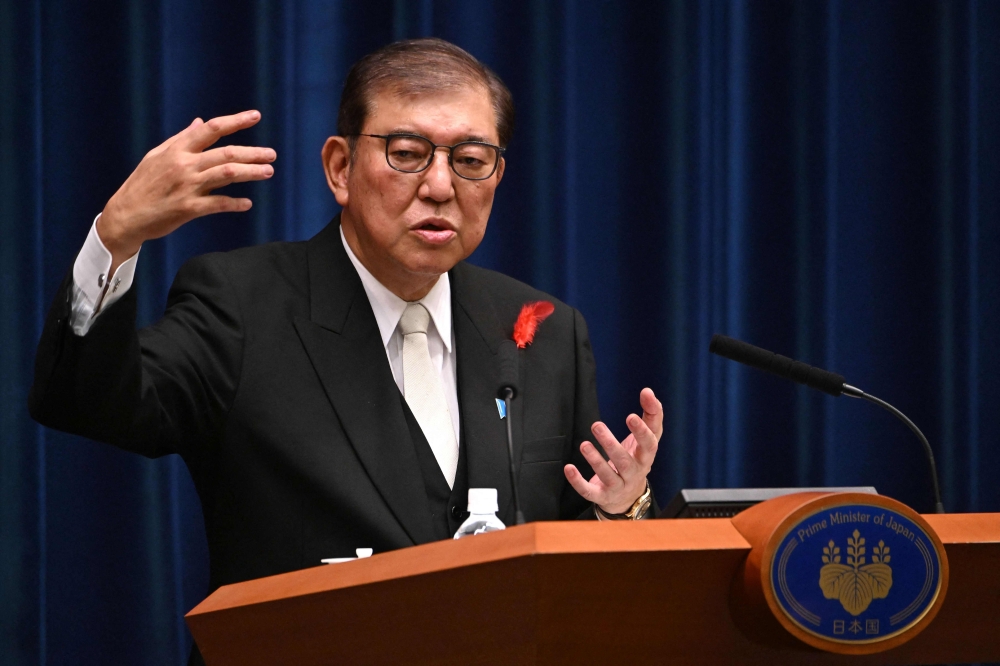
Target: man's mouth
[{"x": 435, "y": 232}]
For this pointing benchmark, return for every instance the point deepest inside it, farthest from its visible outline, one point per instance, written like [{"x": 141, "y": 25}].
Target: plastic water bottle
[{"x": 482, "y": 513}]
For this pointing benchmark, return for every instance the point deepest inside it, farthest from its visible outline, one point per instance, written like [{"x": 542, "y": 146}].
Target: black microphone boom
[
  {"x": 817, "y": 378},
  {"x": 755, "y": 357},
  {"x": 507, "y": 391}
]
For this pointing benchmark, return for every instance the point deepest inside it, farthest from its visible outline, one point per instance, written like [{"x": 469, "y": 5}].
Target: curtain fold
[{"x": 818, "y": 178}]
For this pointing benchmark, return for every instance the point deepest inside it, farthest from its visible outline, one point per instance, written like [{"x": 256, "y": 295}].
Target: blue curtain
[{"x": 818, "y": 178}]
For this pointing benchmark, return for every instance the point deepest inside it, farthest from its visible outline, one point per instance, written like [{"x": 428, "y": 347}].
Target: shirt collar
[{"x": 388, "y": 307}]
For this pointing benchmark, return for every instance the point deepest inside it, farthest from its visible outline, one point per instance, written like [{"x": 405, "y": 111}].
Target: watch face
[{"x": 638, "y": 509}]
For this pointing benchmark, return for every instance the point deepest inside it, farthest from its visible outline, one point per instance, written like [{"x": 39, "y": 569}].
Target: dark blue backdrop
[{"x": 820, "y": 178}]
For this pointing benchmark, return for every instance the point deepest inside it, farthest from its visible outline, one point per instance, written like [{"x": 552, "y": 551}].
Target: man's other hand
[
  {"x": 619, "y": 481},
  {"x": 173, "y": 184}
]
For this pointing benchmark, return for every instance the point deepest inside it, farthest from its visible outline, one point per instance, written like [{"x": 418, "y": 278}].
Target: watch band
[{"x": 635, "y": 512}]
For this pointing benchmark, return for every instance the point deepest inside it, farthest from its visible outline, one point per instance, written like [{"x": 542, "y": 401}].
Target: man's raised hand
[
  {"x": 619, "y": 481},
  {"x": 173, "y": 184}
]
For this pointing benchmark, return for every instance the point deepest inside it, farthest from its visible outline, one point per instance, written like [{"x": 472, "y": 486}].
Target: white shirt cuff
[{"x": 93, "y": 292}]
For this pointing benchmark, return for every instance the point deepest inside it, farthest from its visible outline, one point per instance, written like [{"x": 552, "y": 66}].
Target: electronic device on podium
[{"x": 727, "y": 502}]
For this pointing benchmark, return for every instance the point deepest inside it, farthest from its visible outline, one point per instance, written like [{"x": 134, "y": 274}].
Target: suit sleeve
[
  {"x": 586, "y": 411},
  {"x": 164, "y": 389}
]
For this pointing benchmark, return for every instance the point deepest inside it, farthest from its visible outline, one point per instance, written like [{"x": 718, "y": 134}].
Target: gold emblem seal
[{"x": 855, "y": 584}]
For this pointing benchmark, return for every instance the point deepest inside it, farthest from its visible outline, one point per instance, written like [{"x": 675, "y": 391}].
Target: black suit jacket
[{"x": 268, "y": 376}]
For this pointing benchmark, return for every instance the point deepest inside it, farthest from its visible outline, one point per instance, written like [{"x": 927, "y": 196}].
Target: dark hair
[{"x": 416, "y": 66}]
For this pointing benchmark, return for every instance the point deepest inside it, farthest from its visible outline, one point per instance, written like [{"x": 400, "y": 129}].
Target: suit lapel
[
  {"x": 345, "y": 347},
  {"x": 478, "y": 334}
]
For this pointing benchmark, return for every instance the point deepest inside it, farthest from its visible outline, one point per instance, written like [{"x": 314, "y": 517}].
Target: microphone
[
  {"x": 508, "y": 370},
  {"x": 817, "y": 378},
  {"x": 784, "y": 367},
  {"x": 507, "y": 391}
]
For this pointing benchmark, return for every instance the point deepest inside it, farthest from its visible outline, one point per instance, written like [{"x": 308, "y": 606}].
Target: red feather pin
[{"x": 532, "y": 314}]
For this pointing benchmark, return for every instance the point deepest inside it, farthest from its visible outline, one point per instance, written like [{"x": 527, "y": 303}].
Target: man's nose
[{"x": 437, "y": 182}]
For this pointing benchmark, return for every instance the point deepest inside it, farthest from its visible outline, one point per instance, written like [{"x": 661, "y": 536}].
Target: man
[{"x": 340, "y": 392}]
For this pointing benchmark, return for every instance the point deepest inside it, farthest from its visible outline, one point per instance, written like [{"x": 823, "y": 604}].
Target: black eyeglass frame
[{"x": 434, "y": 147}]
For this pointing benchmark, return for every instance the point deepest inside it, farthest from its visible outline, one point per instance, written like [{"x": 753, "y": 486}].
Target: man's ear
[
  {"x": 337, "y": 165},
  {"x": 500, "y": 168}
]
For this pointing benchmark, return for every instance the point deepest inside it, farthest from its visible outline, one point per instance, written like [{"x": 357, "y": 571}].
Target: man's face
[{"x": 412, "y": 227}]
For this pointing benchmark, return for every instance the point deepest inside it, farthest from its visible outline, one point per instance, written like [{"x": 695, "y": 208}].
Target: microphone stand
[
  {"x": 854, "y": 392},
  {"x": 507, "y": 394}
]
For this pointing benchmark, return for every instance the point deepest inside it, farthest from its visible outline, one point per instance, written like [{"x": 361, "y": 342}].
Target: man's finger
[
  {"x": 616, "y": 452},
  {"x": 202, "y": 136},
  {"x": 652, "y": 411},
  {"x": 601, "y": 467},
  {"x": 580, "y": 484},
  {"x": 220, "y": 204},
  {"x": 645, "y": 440},
  {"x": 240, "y": 154},
  {"x": 234, "y": 173}
]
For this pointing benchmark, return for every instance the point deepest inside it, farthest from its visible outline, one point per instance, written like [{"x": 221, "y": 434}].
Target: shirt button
[
  {"x": 100, "y": 280},
  {"x": 456, "y": 512}
]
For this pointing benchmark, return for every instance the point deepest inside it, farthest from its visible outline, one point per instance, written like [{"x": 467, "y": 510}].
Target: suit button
[{"x": 456, "y": 512}]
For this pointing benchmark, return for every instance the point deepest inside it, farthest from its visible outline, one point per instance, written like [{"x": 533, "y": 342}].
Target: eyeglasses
[{"x": 412, "y": 153}]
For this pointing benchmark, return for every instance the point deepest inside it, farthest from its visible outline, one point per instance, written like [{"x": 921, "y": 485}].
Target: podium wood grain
[{"x": 552, "y": 593}]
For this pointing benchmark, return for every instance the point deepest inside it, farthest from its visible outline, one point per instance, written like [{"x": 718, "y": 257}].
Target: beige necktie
[{"x": 424, "y": 390}]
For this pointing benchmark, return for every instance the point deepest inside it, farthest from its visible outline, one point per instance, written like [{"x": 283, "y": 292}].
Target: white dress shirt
[
  {"x": 93, "y": 291},
  {"x": 388, "y": 308}
]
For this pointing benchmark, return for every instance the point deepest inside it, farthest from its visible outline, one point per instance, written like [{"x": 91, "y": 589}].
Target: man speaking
[{"x": 340, "y": 392}]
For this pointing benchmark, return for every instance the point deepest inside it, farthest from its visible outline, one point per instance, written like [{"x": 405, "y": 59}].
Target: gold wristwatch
[{"x": 637, "y": 511}]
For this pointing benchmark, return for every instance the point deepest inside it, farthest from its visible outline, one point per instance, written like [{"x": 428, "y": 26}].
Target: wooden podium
[{"x": 649, "y": 592}]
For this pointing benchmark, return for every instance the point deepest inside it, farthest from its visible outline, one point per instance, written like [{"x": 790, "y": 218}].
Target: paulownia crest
[{"x": 855, "y": 584}]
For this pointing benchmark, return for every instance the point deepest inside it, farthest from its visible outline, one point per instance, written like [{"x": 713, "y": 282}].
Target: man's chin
[
  {"x": 428, "y": 271},
  {"x": 432, "y": 260}
]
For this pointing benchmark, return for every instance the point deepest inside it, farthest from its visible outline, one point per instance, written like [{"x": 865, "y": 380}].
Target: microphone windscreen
[
  {"x": 508, "y": 368},
  {"x": 755, "y": 357}
]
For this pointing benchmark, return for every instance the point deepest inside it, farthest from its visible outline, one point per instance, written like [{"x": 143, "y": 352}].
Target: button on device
[{"x": 456, "y": 512}]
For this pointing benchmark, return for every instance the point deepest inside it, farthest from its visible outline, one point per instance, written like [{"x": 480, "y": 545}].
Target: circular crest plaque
[{"x": 854, "y": 573}]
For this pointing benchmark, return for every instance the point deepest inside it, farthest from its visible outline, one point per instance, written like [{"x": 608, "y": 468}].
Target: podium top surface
[
  {"x": 541, "y": 538},
  {"x": 959, "y": 528}
]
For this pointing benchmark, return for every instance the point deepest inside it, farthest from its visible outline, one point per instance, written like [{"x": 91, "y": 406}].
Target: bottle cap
[{"x": 482, "y": 500}]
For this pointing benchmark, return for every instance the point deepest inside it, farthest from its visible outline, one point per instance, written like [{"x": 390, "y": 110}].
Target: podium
[{"x": 657, "y": 591}]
